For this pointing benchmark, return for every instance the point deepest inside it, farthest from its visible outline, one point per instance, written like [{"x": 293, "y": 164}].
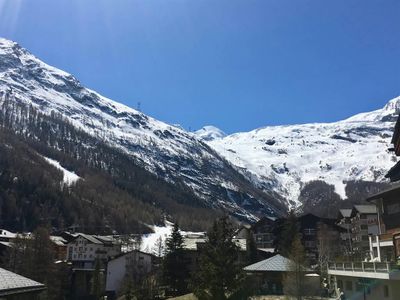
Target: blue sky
[{"x": 235, "y": 64}]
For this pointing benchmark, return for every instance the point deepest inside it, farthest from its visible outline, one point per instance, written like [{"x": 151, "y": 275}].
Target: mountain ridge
[
  {"x": 165, "y": 150},
  {"x": 285, "y": 158}
]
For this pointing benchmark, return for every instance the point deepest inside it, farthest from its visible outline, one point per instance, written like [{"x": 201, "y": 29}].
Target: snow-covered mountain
[
  {"x": 247, "y": 174},
  {"x": 210, "y": 133},
  {"x": 168, "y": 151},
  {"x": 285, "y": 158}
]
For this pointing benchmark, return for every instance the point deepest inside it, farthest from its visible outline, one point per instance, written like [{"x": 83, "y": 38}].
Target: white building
[
  {"x": 134, "y": 264},
  {"x": 84, "y": 249}
]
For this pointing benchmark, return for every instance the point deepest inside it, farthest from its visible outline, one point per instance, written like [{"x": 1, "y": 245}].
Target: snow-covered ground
[
  {"x": 284, "y": 158},
  {"x": 69, "y": 177},
  {"x": 149, "y": 241}
]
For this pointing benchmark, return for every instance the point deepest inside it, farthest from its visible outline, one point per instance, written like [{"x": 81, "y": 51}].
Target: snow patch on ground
[
  {"x": 69, "y": 177},
  {"x": 149, "y": 241}
]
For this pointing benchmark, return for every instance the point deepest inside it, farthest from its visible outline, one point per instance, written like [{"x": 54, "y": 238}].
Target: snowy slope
[
  {"x": 284, "y": 158},
  {"x": 168, "y": 151},
  {"x": 68, "y": 176},
  {"x": 210, "y": 133}
]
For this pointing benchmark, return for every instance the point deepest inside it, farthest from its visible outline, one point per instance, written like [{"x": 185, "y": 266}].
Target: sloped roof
[
  {"x": 365, "y": 209},
  {"x": 346, "y": 213},
  {"x": 58, "y": 240},
  {"x": 89, "y": 237},
  {"x": 12, "y": 283},
  {"x": 394, "y": 190},
  {"x": 277, "y": 263}
]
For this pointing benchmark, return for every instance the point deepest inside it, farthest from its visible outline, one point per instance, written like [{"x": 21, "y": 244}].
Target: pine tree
[
  {"x": 294, "y": 282},
  {"x": 287, "y": 232},
  {"x": 175, "y": 269},
  {"x": 219, "y": 271},
  {"x": 97, "y": 281},
  {"x": 252, "y": 254}
]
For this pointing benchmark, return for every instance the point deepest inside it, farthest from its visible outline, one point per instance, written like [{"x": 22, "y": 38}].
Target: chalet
[
  {"x": 134, "y": 264},
  {"x": 343, "y": 220},
  {"x": 264, "y": 234},
  {"x": 309, "y": 226},
  {"x": 268, "y": 275},
  {"x": 364, "y": 222},
  {"x": 14, "y": 286}
]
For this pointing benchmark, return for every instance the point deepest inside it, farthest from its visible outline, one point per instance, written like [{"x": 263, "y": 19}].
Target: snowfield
[
  {"x": 284, "y": 158},
  {"x": 69, "y": 177}
]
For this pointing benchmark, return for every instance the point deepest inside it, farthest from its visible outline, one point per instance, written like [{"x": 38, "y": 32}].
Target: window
[
  {"x": 386, "y": 291},
  {"x": 349, "y": 285},
  {"x": 364, "y": 227}
]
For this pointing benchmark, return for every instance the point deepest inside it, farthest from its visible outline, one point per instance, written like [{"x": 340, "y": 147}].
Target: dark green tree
[
  {"x": 294, "y": 282},
  {"x": 175, "y": 267},
  {"x": 97, "y": 281},
  {"x": 288, "y": 230},
  {"x": 219, "y": 269},
  {"x": 251, "y": 249}
]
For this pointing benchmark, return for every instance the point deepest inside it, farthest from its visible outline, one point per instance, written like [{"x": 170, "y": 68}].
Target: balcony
[{"x": 377, "y": 270}]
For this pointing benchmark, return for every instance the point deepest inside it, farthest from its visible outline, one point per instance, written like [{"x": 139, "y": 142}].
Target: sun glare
[{"x": 9, "y": 13}]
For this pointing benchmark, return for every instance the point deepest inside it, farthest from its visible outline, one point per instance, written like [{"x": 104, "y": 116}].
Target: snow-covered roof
[
  {"x": 90, "y": 238},
  {"x": 12, "y": 283},
  {"x": 58, "y": 240}
]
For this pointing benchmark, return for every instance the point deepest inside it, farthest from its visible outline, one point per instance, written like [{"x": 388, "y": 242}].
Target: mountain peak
[
  {"x": 393, "y": 105},
  {"x": 210, "y": 133}
]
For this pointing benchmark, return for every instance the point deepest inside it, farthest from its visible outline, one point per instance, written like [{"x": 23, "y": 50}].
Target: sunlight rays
[{"x": 9, "y": 14}]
